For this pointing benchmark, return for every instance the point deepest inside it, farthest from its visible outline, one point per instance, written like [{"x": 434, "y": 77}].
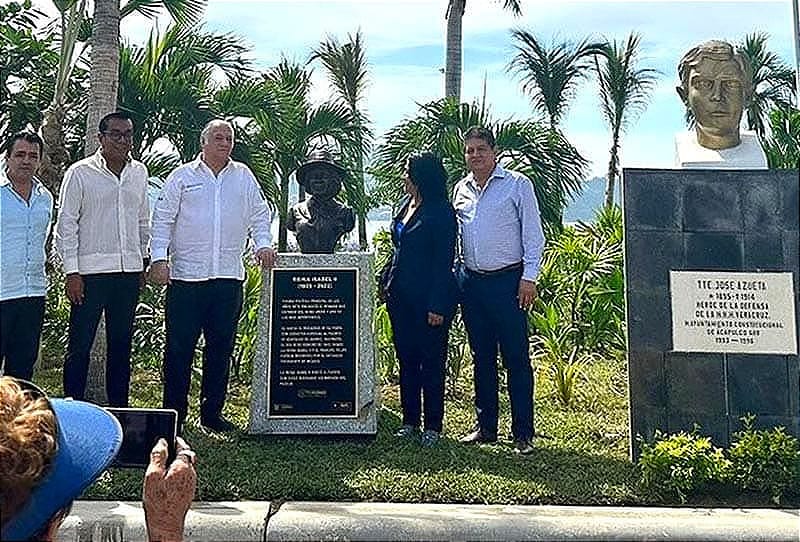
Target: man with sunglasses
[
  {"x": 53, "y": 449},
  {"x": 102, "y": 235}
]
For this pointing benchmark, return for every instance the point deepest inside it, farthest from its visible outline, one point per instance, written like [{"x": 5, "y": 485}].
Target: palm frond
[{"x": 181, "y": 11}]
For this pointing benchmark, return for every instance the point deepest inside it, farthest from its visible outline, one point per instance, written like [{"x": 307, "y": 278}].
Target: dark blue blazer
[{"x": 420, "y": 271}]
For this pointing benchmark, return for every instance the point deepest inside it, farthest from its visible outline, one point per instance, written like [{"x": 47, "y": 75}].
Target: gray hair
[
  {"x": 207, "y": 129},
  {"x": 715, "y": 50}
]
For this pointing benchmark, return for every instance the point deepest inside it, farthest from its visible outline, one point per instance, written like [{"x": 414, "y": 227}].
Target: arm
[
  {"x": 165, "y": 213},
  {"x": 260, "y": 220},
  {"x": 69, "y": 212},
  {"x": 144, "y": 223},
  {"x": 532, "y": 243},
  {"x": 441, "y": 263},
  {"x": 531, "y": 230}
]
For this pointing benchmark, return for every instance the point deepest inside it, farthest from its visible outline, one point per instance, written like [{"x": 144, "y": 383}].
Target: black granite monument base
[{"x": 703, "y": 220}]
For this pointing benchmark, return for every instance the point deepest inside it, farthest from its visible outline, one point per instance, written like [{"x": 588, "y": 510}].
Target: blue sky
[{"x": 405, "y": 47}]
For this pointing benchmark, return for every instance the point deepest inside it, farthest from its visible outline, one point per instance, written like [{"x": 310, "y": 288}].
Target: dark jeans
[
  {"x": 20, "y": 330},
  {"x": 493, "y": 319},
  {"x": 211, "y": 307},
  {"x": 422, "y": 351},
  {"x": 117, "y": 295}
]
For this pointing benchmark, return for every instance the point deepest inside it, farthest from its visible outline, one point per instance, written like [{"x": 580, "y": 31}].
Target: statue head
[
  {"x": 320, "y": 175},
  {"x": 716, "y": 83}
]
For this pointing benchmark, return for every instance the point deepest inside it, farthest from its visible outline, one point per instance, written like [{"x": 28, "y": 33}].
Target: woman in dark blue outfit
[{"x": 420, "y": 290}]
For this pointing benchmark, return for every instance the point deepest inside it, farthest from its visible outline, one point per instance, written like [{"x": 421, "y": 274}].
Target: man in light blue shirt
[
  {"x": 501, "y": 243},
  {"x": 26, "y": 208}
]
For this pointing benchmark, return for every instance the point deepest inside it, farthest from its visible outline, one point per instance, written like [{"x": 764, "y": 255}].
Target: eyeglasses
[{"x": 119, "y": 136}]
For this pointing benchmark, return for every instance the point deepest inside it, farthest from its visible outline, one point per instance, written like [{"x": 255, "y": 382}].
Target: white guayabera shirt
[
  {"x": 202, "y": 221},
  {"x": 103, "y": 221}
]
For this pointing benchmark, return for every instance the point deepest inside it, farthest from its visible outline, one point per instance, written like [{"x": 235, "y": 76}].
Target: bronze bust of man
[
  {"x": 716, "y": 84},
  {"x": 320, "y": 221}
]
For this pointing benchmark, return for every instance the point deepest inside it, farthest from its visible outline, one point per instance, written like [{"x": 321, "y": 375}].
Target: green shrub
[
  {"x": 766, "y": 460},
  {"x": 680, "y": 465}
]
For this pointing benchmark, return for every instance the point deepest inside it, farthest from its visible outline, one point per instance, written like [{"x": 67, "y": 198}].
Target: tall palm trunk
[
  {"x": 103, "y": 84},
  {"x": 104, "y": 75},
  {"x": 361, "y": 212},
  {"x": 613, "y": 169},
  {"x": 452, "y": 67},
  {"x": 283, "y": 208}
]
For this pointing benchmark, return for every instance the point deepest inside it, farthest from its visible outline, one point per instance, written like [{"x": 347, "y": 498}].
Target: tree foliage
[
  {"x": 550, "y": 75},
  {"x": 625, "y": 90},
  {"x": 545, "y": 156}
]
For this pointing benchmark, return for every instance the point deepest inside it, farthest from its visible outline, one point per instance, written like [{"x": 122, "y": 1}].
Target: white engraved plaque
[{"x": 745, "y": 313}]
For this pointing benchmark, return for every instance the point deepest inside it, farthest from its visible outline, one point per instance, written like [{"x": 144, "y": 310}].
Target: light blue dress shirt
[
  {"x": 24, "y": 226},
  {"x": 499, "y": 225}
]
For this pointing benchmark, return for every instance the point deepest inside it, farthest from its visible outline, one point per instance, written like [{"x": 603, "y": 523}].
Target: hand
[
  {"x": 159, "y": 272},
  {"x": 435, "y": 319},
  {"x": 526, "y": 294},
  {"x": 74, "y": 288},
  {"x": 266, "y": 257},
  {"x": 167, "y": 493}
]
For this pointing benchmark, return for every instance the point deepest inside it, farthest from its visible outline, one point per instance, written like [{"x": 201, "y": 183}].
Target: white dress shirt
[
  {"x": 499, "y": 225},
  {"x": 201, "y": 221},
  {"x": 103, "y": 220},
  {"x": 24, "y": 226}
]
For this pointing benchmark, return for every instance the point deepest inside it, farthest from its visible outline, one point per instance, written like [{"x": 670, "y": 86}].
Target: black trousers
[
  {"x": 117, "y": 295},
  {"x": 211, "y": 307},
  {"x": 20, "y": 330},
  {"x": 422, "y": 352},
  {"x": 493, "y": 319}
]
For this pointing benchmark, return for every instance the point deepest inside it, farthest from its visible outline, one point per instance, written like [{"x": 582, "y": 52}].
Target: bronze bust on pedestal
[{"x": 320, "y": 221}]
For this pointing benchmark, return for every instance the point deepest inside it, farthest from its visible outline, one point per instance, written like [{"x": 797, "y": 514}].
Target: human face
[
  {"x": 716, "y": 96},
  {"x": 23, "y": 160},
  {"x": 218, "y": 144},
  {"x": 115, "y": 141},
  {"x": 480, "y": 157},
  {"x": 322, "y": 181}
]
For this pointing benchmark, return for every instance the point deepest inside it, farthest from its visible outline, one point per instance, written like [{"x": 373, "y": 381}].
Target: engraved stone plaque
[
  {"x": 746, "y": 313},
  {"x": 313, "y": 357}
]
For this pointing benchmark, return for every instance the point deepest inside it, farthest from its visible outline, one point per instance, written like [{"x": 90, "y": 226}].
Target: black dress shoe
[
  {"x": 477, "y": 437},
  {"x": 220, "y": 425}
]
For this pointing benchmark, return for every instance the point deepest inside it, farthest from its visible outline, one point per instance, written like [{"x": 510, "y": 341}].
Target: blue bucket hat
[{"x": 88, "y": 438}]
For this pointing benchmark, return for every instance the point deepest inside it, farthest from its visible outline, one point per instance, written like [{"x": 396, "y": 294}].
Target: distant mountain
[{"x": 591, "y": 198}]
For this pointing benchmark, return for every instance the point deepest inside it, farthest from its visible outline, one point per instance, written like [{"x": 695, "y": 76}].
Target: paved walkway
[{"x": 260, "y": 521}]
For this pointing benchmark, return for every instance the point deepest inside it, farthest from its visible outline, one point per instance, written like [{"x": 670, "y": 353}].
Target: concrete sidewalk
[{"x": 255, "y": 521}]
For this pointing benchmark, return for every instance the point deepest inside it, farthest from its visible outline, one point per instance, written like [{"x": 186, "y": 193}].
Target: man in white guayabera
[
  {"x": 201, "y": 223},
  {"x": 716, "y": 84}
]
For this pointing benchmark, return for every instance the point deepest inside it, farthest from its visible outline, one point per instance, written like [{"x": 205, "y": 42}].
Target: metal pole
[{"x": 796, "y": 36}]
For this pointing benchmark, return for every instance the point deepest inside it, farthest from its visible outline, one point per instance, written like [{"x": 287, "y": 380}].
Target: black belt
[{"x": 513, "y": 267}]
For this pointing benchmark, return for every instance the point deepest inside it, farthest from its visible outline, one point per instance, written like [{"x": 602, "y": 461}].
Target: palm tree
[
  {"x": 530, "y": 147},
  {"x": 550, "y": 75},
  {"x": 624, "y": 94},
  {"x": 773, "y": 82},
  {"x": 452, "y": 68},
  {"x": 346, "y": 64},
  {"x": 169, "y": 84},
  {"x": 782, "y": 146},
  {"x": 104, "y": 78},
  {"x": 286, "y": 132}
]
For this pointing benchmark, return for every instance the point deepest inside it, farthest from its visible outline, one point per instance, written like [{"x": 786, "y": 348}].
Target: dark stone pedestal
[{"x": 705, "y": 220}]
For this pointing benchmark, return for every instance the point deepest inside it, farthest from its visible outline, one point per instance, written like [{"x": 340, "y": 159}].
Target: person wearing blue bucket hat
[{"x": 51, "y": 450}]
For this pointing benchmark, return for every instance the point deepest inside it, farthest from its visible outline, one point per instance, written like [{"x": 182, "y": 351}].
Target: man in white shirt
[
  {"x": 102, "y": 233},
  {"x": 26, "y": 208},
  {"x": 200, "y": 224}
]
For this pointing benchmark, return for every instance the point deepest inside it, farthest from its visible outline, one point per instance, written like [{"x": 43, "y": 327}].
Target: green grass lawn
[{"x": 582, "y": 457}]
